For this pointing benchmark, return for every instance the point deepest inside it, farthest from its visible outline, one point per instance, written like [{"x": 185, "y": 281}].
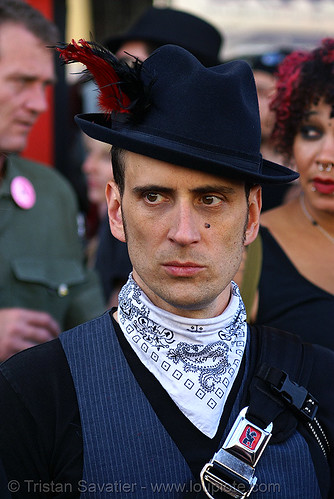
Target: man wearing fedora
[
  {"x": 172, "y": 393},
  {"x": 155, "y": 27}
]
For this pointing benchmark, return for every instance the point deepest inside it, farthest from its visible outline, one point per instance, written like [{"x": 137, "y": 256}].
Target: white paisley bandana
[{"x": 195, "y": 360}]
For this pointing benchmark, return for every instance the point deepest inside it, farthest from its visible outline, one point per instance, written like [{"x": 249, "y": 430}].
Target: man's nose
[
  {"x": 37, "y": 99},
  {"x": 185, "y": 225},
  {"x": 88, "y": 164}
]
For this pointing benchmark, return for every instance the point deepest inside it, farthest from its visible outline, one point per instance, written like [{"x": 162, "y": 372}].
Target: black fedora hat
[
  {"x": 197, "y": 117},
  {"x": 162, "y": 26}
]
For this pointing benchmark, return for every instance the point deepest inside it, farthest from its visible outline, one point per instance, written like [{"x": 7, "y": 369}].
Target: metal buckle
[{"x": 232, "y": 468}]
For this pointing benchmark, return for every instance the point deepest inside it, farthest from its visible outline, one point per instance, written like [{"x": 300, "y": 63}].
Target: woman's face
[{"x": 313, "y": 151}]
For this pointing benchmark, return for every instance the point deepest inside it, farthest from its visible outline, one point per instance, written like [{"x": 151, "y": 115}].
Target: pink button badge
[{"x": 23, "y": 192}]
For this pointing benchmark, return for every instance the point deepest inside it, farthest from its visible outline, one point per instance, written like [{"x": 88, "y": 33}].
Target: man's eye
[
  {"x": 210, "y": 200},
  {"x": 153, "y": 197},
  {"x": 310, "y": 132}
]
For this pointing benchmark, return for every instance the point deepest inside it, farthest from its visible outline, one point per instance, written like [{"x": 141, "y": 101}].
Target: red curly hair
[{"x": 303, "y": 78}]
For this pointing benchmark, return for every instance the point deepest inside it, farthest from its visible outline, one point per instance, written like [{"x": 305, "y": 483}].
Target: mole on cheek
[{"x": 207, "y": 226}]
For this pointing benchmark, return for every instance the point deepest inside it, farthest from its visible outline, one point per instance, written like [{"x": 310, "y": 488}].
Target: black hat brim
[{"x": 174, "y": 150}]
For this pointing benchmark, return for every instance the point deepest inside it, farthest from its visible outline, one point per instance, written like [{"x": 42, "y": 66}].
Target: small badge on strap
[
  {"x": 23, "y": 192},
  {"x": 232, "y": 468},
  {"x": 250, "y": 437}
]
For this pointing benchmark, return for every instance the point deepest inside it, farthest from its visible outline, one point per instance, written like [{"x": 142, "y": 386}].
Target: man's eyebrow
[
  {"x": 223, "y": 189},
  {"x": 140, "y": 189},
  {"x": 203, "y": 189},
  {"x": 32, "y": 77}
]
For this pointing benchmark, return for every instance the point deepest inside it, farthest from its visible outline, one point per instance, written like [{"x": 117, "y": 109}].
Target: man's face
[
  {"x": 265, "y": 86},
  {"x": 133, "y": 49},
  {"x": 185, "y": 230},
  {"x": 98, "y": 170},
  {"x": 26, "y": 69}
]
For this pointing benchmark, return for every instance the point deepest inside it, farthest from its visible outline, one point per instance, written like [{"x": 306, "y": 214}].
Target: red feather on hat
[{"x": 105, "y": 68}]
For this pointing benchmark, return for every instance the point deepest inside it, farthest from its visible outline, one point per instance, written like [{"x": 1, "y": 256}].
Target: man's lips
[
  {"x": 92, "y": 183},
  {"x": 324, "y": 186},
  {"x": 25, "y": 125},
  {"x": 186, "y": 269}
]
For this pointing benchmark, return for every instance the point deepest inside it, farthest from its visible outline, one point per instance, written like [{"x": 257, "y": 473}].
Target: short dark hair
[
  {"x": 21, "y": 13},
  {"x": 118, "y": 166}
]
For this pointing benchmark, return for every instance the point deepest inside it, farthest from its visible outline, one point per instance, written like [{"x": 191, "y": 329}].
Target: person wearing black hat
[
  {"x": 159, "y": 26},
  {"x": 154, "y": 28},
  {"x": 159, "y": 395}
]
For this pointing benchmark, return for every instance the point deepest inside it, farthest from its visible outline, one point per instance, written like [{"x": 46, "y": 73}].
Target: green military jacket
[{"x": 41, "y": 257}]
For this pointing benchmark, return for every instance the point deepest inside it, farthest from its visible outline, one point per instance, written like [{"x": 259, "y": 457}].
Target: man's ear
[
  {"x": 115, "y": 211},
  {"x": 255, "y": 204}
]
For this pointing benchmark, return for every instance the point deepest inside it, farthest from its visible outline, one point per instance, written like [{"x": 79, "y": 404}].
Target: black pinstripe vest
[{"x": 128, "y": 452}]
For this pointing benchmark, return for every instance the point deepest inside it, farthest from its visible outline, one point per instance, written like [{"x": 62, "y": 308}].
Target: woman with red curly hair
[{"x": 296, "y": 284}]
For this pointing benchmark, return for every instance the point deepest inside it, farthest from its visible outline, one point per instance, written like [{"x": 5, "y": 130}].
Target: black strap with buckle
[
  {"x": 274, "y": 398},
  {"x": 294, "y": 395}
]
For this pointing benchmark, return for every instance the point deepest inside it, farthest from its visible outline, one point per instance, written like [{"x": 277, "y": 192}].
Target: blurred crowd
[
  {"x": 160, "y": 312},
  {"x": 53, "y": 278}
]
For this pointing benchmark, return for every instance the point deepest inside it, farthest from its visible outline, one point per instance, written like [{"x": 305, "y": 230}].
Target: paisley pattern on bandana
[{"x": 195, "y": 360}]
